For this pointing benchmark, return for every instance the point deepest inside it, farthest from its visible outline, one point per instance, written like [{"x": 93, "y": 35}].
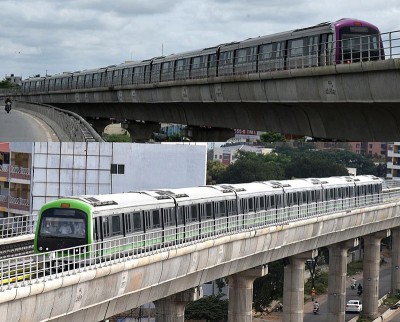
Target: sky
[{"x": 55, "y": 36}]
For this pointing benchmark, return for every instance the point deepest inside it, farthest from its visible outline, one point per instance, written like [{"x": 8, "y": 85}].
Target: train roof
[
  {"x": 195, "y": 193},
  {"x": 130, "y": 201}
]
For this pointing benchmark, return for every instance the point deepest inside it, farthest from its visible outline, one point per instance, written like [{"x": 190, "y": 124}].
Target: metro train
[
  {"x": 169, "y": 217},
  {"x": 328, "y": 43}
]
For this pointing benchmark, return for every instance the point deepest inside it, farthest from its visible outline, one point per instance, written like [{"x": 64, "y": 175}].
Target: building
[
  {"x": 227, "y": 154},
  {"x": 376, "y": 149},
  {"x": 17, "y": 80},
  {"x": 393, "y": 163},
  {"x": 34, "y": 173}
]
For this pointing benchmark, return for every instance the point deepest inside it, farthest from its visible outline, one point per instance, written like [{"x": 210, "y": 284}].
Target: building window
[{"x": 117, "y": 168}]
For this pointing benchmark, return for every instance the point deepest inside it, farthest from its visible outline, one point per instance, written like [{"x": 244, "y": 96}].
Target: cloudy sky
[{"x": 52, "y": 36}]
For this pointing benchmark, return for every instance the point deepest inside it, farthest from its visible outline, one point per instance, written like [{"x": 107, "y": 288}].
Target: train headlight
[{"x": 40, "y": 248}]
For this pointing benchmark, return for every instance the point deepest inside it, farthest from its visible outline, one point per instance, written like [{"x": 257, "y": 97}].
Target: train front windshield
[
  {"x": 359, "y": 39},
  {"x": 63, "y": 222}
]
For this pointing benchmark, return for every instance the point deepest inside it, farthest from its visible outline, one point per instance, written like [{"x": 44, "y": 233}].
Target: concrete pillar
[
  {"x": 241, "y": 294},
  {"x": 172, "y": 308},
  {"x": 395, "y": 283},
  {"x": 293, "y": 287},
  {"x": 372, "y": 250},
  {"x": 337, "y": 280}
]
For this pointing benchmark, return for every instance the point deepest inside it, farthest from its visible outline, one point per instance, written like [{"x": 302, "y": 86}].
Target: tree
[
  {"x": 270, "y": 137},
  {"x": 210, "y": 308},
  {"x": 269, "y": 287},
  {"x": 215, "y": 170},
  {"x": 314, "y": 166},
  {"x": 250, "y": 166},
  {"x": 7, "y": 84}
]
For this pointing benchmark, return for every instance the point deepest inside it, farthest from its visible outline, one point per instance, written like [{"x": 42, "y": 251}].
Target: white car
[{"x": 353, "y": 306}]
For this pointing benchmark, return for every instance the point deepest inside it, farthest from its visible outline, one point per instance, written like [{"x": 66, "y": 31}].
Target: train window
[
  {"x": 106, "y": 228},
  {"x": 133, "y": 222},
  {"x": 96, "y": 80},
  {"x": 58, "y": 84},
  {"x": 182, "y": 68},
  {"x": 243, "y": 206},
  {"x": 167, "y": 71},
  {"x": 127, "y": 76},
  {"x": 226, "y": 58},
  {"x": 138, "y": 75},
  {"x": 212, "y": 60},
  {"x": 312, "y": 51},
  {"x": 116, "y": 225},
  {"x": 169, "y": 217},
  {"x": 296, "y": 47},
  {"x": 219, "y": 209},
  {"x": 180, "y": 216},
  {"x": 81, "y": 81},
  {"x": 265, "y": 52},
  {"x": 156, "y": 219},
  {"x": 232, "y": 207},
  {"x": 241, "y": 56},
  {"x": 152, "y": 219},
  {"x": 194, "y": 213},
  {"x": 206, "y": 211},
  {"x": 155, "y": 72},
  {"x": 88, "y": 80},
  {"x": 251, "y": 204},
  {"x": 198, "y": 67},
  {"x": 261, "y": 203}
]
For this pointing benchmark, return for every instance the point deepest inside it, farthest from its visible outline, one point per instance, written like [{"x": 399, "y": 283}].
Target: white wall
[
  {"x": 68, "y": 168},
  {"x": 150, "y": 166}
]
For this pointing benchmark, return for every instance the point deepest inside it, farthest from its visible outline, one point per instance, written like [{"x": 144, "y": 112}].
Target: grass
[{"x": 354, "y": 268}]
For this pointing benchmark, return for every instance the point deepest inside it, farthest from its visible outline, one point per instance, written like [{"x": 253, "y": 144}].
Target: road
[
  {"x": 18, "y": 126},
  {"x": 384, "y": 287}
]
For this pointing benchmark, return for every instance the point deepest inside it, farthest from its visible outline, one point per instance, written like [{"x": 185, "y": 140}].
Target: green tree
[
  {"x": 314, "y": 166},
  {"x": 215, "y": 170},
  {"x": 7, "y": 84},
  {"x": 250, "y": 166},
  {"x": 270, "y": 137},
  {"x": 269, "y": 287},
  {"x": 210, "y": 308}
]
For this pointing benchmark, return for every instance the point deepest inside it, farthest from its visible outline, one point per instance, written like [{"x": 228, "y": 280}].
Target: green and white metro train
[{"x": 163, "y": 218}]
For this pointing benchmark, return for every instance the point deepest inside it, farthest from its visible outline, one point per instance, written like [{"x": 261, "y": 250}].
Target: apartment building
[{"x": 34, "y": 173}]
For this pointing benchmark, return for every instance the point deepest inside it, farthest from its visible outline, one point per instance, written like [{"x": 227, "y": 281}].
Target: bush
[{"x": 354, "y": 267}]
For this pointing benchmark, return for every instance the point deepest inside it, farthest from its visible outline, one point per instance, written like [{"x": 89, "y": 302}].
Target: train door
[
  {"x": 233, "y": 214},
  {"x": 220, "y": 215},
  {"x": 326, "y": 50},
  {"x": 312, "y": 51}
]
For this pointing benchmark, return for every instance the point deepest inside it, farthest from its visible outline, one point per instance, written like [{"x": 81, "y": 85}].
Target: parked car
[{"x": 354, "y": 306}]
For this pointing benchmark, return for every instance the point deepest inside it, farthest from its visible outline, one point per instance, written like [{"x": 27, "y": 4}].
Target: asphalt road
[
  {"x": 384, "y": 287},
  {"x": 18, "y": 126}
]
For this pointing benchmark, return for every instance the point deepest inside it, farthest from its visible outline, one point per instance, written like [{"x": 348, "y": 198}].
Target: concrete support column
[
  {"x": 293, "y": 287},
  {"x": 370, "y": 297},
  {"x": 337, "y": 280},
  {"x": 241, "y": 294},
  {"x": 172, "y": 308},
  {"x": 395, "y": 282}
]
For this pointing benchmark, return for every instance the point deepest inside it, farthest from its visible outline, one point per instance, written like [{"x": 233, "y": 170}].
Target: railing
[
  {"x": 17, "y": 226},
  {"x": 22, "y": 271}
]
